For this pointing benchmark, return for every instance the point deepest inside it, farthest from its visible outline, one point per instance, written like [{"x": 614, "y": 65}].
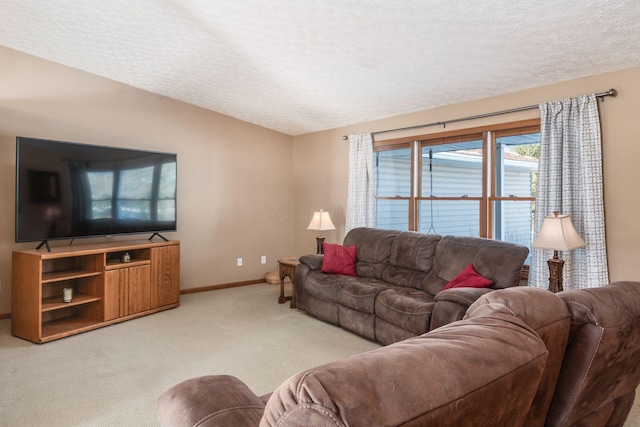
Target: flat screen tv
[{"x": 68, "y": 190}]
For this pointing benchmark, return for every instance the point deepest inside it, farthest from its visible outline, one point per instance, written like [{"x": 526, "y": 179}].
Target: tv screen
[{"x": 67, "y": 190}]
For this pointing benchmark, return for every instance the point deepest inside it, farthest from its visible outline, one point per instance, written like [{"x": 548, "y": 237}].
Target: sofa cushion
[
  {"x": 407, "y": 308},
  {"x": 374, "y": 249},
  {"x": 493, "y": 259},
  {"x": 360, "y": 294},
  {"x": 339, "y": 259},
  {"x": 363, "y": 324},
  {"x": 468, "y": 278},
  {"x": 411, "y": 259},
  {"x": 386, "y": 333},
  {"x": 327, "y": 311},
  {"x": 323, "y": 286},
  {"x": 405, "y": 278},
  {"x": 414, "y": 251}
]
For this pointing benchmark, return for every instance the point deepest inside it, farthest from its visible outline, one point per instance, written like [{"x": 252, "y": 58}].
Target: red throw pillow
[
  {"x": 468, "y": 278},
  {"x": 339, "y": 259}
]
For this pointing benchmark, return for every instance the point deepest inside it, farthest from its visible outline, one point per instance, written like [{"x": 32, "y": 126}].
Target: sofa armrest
[
  {"x": 452, "y": 304},
  {"x": 308, "y": 264},
  {"x": 463, "y": 296},
  {"x": 214, "y": 400},
  {"x": 314, "y": 261}
]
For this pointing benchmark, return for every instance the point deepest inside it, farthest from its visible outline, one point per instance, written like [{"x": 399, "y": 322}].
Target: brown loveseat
[
  {"x": 521, "y": 357},
  {"x": 398, "y": 291}
]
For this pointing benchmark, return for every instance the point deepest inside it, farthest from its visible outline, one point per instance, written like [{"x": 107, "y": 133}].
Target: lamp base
[
  {"x": 555, "y": 274},
  {"x": 319, "y": 241}
]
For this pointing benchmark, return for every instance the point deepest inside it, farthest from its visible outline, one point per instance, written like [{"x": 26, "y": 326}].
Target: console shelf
[
  {"x": 111, "y": 283},
  {"x": 58, "y": 276},
  {"x": 56, "y": 303},
  {"x": 67, "y": 326}
]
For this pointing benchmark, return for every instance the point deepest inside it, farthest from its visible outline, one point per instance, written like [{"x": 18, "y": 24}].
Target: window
[
  {"x": 479, "y": 182},
  {"x": 393, "y": 188}
]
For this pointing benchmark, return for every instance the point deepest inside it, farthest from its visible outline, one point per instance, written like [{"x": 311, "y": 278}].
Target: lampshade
[
  {"x": 557, "y": 233},
  {"x": 321, "y": 221}
]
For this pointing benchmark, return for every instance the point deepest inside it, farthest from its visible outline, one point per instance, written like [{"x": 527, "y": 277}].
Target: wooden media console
[{"x": 110, "y": 283}]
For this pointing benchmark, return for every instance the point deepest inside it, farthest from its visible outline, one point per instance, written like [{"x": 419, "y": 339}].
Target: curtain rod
[{"x": 601, "y": 95}]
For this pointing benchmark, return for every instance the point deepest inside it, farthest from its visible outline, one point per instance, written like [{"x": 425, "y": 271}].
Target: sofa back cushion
[
  {"x": 411, "y": 259},
  {"x": 422, "y": 381},
  {"x": 601, "y": 368},
  {"x": 468, "y": 278},
  {"x": 374, "y": 249},
  {"x": 548, "y": 316},
  {"x": 498, "y": 261}
]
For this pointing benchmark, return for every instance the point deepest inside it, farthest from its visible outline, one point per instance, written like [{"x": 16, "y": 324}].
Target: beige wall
[
  {"x": 245, "y": 191},
  {"x": 320, "y": 159},
  {"x": 235, "y": 186}
]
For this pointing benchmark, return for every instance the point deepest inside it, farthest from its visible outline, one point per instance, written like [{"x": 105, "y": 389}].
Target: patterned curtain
[
  {"x": 570, "y": 182},
  {"x": 361, "y": 206}
]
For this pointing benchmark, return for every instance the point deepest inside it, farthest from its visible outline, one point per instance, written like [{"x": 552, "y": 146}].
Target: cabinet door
[
  {"x": 127, "y": 291},
  {"x": 138, "y": 289},
  {"x": 114, "y": 285},
  {"x": 165, "y": 277}
]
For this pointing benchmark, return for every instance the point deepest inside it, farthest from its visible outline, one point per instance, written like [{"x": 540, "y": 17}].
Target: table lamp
[
  {"x": 321, "y": 221},
  {"x": 557, "y": 233}
]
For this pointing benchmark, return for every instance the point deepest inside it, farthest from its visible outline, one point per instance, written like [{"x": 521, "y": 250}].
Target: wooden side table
[{"x": 287, "y": 268}]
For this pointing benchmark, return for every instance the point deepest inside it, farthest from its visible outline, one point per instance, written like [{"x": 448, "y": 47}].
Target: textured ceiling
[{"x": 299, "y": 66}]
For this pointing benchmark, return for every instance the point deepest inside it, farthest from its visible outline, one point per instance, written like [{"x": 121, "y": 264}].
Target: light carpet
[{"x": 113, "y": 376}]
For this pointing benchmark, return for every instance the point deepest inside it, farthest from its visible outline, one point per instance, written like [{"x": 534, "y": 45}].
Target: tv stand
[
  {"x": 159, "y": 235},
  {"x": 111, "y": 283},
  {"x": 46, "y": 243}
]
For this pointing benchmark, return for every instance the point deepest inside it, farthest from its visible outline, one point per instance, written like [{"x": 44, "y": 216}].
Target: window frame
[
  {"x": 488, "y": 135},
  {"x": 412, "y": 190}
]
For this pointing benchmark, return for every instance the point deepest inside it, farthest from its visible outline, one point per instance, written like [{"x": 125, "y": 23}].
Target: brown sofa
[
  {"x": 521, "y": 357},
  {"x": 398, "y": 291}
]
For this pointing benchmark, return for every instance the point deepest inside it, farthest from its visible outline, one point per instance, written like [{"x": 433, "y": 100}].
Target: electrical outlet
[
  {"x": 239, "y": 262},
  {"x": 263, "y": 259}
]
